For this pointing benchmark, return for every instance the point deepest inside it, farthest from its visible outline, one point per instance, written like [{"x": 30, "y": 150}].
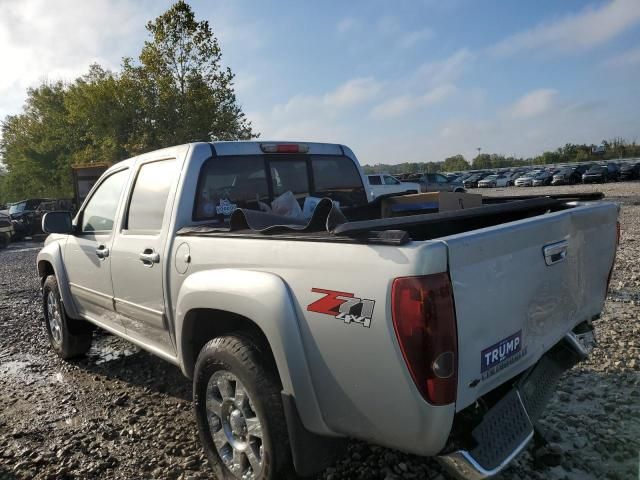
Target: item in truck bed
[{"x": 432, "y": 202}]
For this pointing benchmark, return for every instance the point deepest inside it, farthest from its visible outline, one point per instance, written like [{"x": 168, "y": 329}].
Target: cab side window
[
  {"x": 374, "y": 180},
  {"x": 100, "y": 212},
  {"x": 441, "y": 178},
  {"x": 389, "y": 180},
  {"x": 149, "y": 197}
]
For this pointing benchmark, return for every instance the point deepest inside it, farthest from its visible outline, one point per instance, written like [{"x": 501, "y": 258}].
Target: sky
[{"x": 409, "y": 80}]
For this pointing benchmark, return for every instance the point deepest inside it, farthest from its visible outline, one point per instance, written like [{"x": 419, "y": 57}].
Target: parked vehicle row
[{"x": 554, "y": 175}]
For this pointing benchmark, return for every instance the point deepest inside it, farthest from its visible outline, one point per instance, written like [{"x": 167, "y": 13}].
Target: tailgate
[{"x": 520, "y": 286}]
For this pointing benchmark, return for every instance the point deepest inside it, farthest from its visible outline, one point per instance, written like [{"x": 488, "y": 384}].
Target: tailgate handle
[{"x": 555, "y": 252}]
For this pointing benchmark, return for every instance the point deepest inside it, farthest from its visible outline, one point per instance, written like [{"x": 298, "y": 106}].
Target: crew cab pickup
[{"x": 439, "y": 334}]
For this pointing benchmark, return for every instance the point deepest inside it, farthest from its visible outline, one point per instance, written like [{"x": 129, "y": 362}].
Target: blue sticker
[{"x": 500, "y": 352}]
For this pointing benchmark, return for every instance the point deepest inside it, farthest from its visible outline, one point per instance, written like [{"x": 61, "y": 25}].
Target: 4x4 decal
[{"x": 343, "y": 306}]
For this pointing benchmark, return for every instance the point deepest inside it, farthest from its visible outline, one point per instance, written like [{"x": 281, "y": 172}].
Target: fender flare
[
  {"x": 52, "y": 254},
  {"x": 265, "y": 299}
]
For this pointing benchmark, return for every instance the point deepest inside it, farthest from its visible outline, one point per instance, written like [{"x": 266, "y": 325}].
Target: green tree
[
  {"x": 455, "y": 163},
  {"x": 180, "y": 87},
  {"x": 177, "y": 92}
]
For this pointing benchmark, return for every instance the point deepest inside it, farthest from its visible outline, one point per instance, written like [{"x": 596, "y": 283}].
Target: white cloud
[
  {"x": 317, "y": 117},
  {"x": 411, "y": 39},
  {"x": 347, "y": 24},
  {"x": 353, "y": 92},
  {"x": 404, "y": 104},
  {"x": 582, "y": 31},
  {"x": 43, "y": 40},
  {"x": 534, "y": 103},
  {"x": 625, "y": 59},
  {"x": 444, "y": 71}
]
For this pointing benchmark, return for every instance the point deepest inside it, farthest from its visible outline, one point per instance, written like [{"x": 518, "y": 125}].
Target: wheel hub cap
[
  {"x": 54, "y": 318},
  {"x": 235, "y": 427}
]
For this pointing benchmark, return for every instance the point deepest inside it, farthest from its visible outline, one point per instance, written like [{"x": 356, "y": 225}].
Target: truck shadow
[{"x": 117, "y": 359}]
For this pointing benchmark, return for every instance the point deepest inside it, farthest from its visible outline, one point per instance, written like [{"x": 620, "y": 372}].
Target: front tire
[
  {"x": 68, "y": 337},
  {"x": 238, "y": 408}
]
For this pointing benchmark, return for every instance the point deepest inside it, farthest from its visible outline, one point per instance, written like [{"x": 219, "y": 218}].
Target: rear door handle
[
  {"x": 149, "y": 257},
  {"x": 102, "y": 252},
  {"x": 555, "y": 252}
]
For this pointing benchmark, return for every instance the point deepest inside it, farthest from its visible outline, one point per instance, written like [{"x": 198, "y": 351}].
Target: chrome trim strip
[
  {"x": 88, "y": 290},
  {"x": 120, "y": 301}
]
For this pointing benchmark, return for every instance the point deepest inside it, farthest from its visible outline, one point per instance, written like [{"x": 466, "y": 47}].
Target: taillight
[
  {"x": 284, "y": 147},
  {"x": 425, "y": 325}
]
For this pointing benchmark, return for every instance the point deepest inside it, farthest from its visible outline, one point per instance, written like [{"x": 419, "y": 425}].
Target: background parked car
[
  {"x": 6, "y": 230},
  {"x": 493, "y": 181},
  {"x": 543, "y": 178},
  {"x": 25, "y": 220},
  {"x": 526, "y": 180},
  {"x": 472, "y": 181},
  {"x": 436, "y": 182},
  {"x": 385, "y": 184},
  {"x": 630, "y": 171},
  {"x": 566, "y": 176},
  {"x": 602, "y": 173}
]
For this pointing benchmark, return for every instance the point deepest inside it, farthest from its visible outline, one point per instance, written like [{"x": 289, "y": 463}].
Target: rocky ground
[{"x": 120, "y": 413}]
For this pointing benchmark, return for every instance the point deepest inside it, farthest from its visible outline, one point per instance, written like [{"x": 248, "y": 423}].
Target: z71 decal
[{"x": 343, "y": 306}]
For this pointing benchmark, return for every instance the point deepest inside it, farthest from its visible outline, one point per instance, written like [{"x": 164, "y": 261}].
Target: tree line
[
  {"x": 569, "y": 153},
  {"x": 177, "y": 91}
]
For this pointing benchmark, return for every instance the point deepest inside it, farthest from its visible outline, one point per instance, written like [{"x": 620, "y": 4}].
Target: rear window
[{"x": 231, "y": 182}]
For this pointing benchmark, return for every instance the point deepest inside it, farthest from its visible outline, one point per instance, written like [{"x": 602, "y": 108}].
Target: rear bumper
[{"x": 508, "y": 426}]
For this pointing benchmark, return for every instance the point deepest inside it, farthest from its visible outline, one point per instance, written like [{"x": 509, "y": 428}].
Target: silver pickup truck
[{"x": 307, "y": 322}]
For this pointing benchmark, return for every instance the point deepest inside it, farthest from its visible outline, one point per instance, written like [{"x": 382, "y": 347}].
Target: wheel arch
[
  {"x": 49, "y": 262},
  {"x": 211, "y": 303}
]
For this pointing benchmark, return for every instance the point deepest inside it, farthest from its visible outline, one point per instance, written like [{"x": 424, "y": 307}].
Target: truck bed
[{"x": 364, "y": 224}]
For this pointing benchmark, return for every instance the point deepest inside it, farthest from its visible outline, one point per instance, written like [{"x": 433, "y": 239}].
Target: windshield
[{"x": 17, "y": 208}]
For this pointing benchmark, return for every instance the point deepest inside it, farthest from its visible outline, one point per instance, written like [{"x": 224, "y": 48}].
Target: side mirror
[{"x": 57, "y": 222}]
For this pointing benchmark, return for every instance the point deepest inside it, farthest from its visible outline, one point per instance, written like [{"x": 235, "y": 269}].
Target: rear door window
[
  {"x": 149, "y": 197},
  {"x": 374, "y": 180}
]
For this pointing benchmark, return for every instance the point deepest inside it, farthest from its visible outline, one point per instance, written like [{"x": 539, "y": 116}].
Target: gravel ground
[{"x": 121, "y": 413}]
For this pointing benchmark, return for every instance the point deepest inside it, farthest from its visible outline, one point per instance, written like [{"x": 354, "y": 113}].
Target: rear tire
[
  {"x": 69, "y": 338},
  {"x": 4, "y": 240},
  {"x": 238, "y": 409}
]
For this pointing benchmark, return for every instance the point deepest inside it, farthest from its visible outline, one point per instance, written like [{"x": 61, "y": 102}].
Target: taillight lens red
[{"x": 425, "y": 325}]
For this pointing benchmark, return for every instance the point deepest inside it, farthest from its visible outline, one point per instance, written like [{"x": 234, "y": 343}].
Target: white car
[
  {"x": 493, "y": 181},
  {"x": 527, "y": 179},
  {"x": 385, "y": 184}
]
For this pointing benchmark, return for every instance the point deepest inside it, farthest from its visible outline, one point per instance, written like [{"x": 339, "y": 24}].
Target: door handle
[
  {"x": 555, "y": 252},
  {"x": 102, "y": 252},
  {"x": 149, "y": 257}
]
